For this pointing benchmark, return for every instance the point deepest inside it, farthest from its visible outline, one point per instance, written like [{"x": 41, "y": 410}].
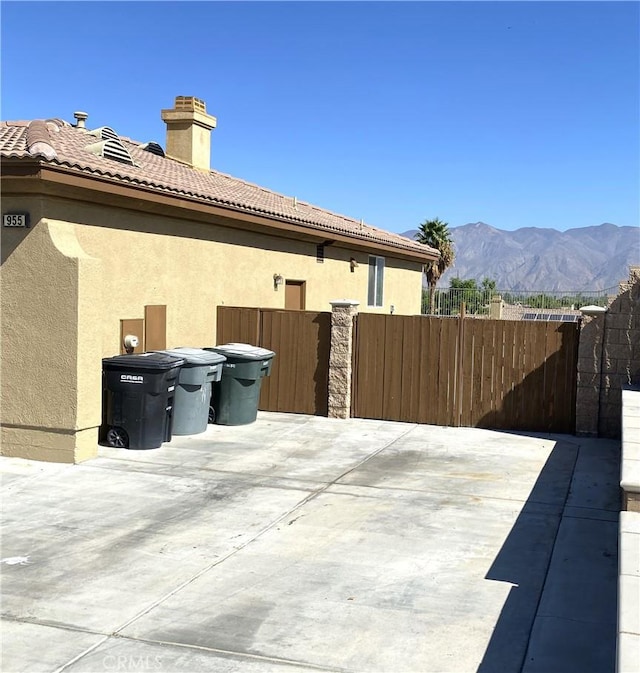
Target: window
[{"x": 376, "y": 280}]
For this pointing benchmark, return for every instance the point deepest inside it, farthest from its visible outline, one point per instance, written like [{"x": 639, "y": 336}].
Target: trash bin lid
[
  {"x": 143, "y": 361},
  {"x": 246, "y": 351},
  {"x": 195, "y": 356}
]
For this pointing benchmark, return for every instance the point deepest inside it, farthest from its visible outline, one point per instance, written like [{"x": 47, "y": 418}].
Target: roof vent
[
  {"x": 104, "y": 133},
  {"x": 154, "y": 148},
  {"x": 81, "y": 118},
  {"x": 111, "y": 149}
]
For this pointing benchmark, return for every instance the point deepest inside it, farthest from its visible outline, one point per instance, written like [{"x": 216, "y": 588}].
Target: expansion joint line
[{"x": 233, "y": 552}]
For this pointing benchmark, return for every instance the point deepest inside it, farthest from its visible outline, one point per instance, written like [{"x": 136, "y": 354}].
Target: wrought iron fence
[{"x": 448, "y": 302}]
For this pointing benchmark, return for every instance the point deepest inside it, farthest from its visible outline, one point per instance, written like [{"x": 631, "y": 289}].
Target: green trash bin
[
  {"x": 235, "y": 397},
  {"x": 193, "y": 390}
]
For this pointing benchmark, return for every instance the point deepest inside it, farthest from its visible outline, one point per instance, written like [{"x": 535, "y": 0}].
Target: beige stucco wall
[
  {"x": 145, "y": 261},
  {"x": 71, "y": 279},
  {"x": 48, "y": 400}
]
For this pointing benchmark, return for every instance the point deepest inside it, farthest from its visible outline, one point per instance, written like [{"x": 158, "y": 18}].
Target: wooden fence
[
  {"x": 466, "y": 372},
  {"x": 299, "y": 378},
  {"x": 508, "y": 375}
]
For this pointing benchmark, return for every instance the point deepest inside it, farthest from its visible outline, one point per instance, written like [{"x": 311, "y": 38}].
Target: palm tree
[{"x": 436, "y": 234}]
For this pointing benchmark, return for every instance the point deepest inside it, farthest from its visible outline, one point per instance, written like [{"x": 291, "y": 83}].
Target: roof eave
[{"x": 140, "y": 198}]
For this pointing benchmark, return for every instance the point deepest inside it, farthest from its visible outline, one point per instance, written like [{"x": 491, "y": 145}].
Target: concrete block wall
[{"x": 608, "y": 359}]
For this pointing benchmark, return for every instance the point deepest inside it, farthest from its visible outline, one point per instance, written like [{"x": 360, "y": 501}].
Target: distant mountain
[{"x": 589, "y": 258}]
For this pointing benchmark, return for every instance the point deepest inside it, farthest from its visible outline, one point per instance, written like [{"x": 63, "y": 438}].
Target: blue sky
[{"x": 513, "y": 113}]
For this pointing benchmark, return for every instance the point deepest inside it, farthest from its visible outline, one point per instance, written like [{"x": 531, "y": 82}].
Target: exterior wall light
[
  {"x": 131, "y": 342},
  {"x": 353, "y": 264},
  {"x": 277, "y": 280}
]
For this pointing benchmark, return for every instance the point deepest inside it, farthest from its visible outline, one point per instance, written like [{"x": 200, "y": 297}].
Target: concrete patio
[{"x": 301, "y": 543}]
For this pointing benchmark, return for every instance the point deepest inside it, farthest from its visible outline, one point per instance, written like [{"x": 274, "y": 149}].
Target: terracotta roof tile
[
  {"x": 39, "y": 139},
  {"x": 24, "y": 139}
]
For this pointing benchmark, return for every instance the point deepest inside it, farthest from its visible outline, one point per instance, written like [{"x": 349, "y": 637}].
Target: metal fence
[{"x": 448, "y": 302}]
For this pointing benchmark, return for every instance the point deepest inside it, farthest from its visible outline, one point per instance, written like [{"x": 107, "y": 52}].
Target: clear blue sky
[{"x": 513, "y": 113}]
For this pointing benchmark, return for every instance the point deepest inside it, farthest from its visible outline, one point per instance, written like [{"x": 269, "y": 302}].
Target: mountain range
[{"x": 532, "y": 258}]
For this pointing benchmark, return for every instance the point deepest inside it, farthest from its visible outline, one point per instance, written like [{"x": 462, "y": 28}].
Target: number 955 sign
[{"x": 16, "y": 220}]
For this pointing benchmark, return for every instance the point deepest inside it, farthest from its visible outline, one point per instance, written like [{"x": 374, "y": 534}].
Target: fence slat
[
  {"x": 410, "y": 384},
  {"x": 392, "y": 379},
  {"x": 469, "y": 392},
  {"x": 487, "y": 411},
  {"x": 429, "y": 345}
]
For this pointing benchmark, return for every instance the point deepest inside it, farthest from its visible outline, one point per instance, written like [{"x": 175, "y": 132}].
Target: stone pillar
[
  {"x": 495, "y": 310},
  {"x": 340, "y": 357},
  {"x": 590, "y": 353}
]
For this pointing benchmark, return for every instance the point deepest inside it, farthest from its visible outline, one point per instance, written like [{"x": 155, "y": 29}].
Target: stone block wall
[
  {"x": 608, "y": 359},
  {"x": 340, "y": 357}
]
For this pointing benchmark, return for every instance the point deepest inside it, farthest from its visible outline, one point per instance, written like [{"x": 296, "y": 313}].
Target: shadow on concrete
[{"x": 561, "y": 558}]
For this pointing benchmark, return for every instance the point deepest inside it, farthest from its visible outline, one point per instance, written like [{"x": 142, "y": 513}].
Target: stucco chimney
[{"x": 189, "y": 132}]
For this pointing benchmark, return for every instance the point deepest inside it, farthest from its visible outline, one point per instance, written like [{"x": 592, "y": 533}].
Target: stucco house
[{"x": 103, "y": 236}]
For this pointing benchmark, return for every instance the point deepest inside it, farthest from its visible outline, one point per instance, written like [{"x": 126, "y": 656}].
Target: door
[{"x": 294, "y": 295}]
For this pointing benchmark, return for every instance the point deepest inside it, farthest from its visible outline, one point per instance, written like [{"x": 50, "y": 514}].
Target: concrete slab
[
  {"x": 628, "y": 653},
  {"x": 286, "y": 445},
  {"x": 575, "y": 626},
  {"x": 596, "y": 479},
  {"x": 582, "y": 547},
  {"x": 629, "y": 553},
  {"x": 121, "y": 654},
  {"x": 630, "y": 523},
  {"x": 84, "y": 528},
  {"x": 630, "y": 608},
  {"x": 33, "y": 648},
  {"x": 564, "y": 646},
  {"x": 367, "y": 565},
  {"x": 632, "y": 449},
  {"x": 485, "y": 463},
  {"x": 306, "y": 543}
]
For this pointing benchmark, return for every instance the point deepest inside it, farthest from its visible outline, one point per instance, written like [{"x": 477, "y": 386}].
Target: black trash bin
[
  {"x": 192, "y": 401},
  {"x": 138, "y": 405},
  {"x": 235, "y": 397}
]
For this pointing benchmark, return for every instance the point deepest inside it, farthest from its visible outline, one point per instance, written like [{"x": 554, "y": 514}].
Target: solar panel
[{"x": 555, "y": 317}]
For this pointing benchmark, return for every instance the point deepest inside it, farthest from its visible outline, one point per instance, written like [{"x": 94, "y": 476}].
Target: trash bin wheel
[
  {"x": 117, "y": 437},
  {"x": 212, "y": 416}
]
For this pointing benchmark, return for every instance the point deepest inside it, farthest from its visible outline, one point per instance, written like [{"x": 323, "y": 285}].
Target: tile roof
[{"x": 55, "y": 141}]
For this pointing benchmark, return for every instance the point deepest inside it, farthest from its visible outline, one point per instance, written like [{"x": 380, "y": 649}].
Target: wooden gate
[
  {"x": 299, "y": 378},
  {"x": 466, "y": 372}
]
